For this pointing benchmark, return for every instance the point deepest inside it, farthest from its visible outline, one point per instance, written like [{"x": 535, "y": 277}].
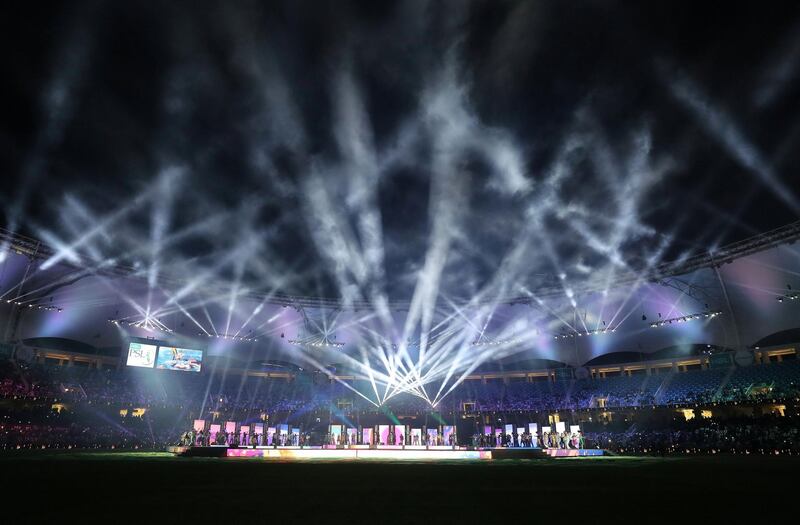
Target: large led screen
[
  {"x": 383, "y": 434},
  {"x": 141, "y": 355},
  {"x": 366, "y": 436},
  {"x": 172, "y": 358},
  {"x": 399, "y": 434}
]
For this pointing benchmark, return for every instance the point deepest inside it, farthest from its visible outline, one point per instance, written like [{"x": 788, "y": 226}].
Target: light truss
[
  {"x": 147, "y": 323},
  {"x": 685, "y": 319},
  {"x": 789, "y": 233}
]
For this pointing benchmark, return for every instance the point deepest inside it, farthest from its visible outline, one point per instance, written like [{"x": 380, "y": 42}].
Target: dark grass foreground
[{"x": 154, "y": 487}]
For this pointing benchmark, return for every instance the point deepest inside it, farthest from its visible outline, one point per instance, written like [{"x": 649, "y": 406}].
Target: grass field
[{"x": 156, "y": 487}]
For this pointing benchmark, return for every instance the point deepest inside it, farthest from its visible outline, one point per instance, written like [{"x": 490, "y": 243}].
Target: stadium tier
[{"x": 51, "y": 405}]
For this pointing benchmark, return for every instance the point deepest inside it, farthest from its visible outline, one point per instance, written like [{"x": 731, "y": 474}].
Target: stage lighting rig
[
  {"x": 231, "y": 337},
  {"x": 316, "y": 342},
  {"x": 711, "y": 349},
  {"x": 789, "y": 295},
  {"x": 495, "y": 342},
  {"x": 598, "y": 331},
  {"x": 317, "y": 330},
  {"x": 685, "y": 319},
  {"x": 148, "y": 323},
  {"x": 44, "y": 307},
  {"x": 484, "y": 341}
]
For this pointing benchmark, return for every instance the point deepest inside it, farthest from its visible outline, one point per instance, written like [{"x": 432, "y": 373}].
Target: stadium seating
[{"x": 34, "y": 390}]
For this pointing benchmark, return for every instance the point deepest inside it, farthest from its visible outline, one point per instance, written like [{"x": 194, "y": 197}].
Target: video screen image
[
  {"x": 183, "y": 359},
  {"x": 432, "y": 435},
  {"x": 447, "y": 431},
  {"x": 141, "y": 355}
]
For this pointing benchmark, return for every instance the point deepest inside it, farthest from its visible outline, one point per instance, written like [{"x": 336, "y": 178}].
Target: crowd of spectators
[
  {"x": 42, "y": 425},
  {"x": 61, "y": 406},
  {"x": 236, "y": 394},
  {"x": 744, "y": 435},
  {"x": 14, "y": 436}
]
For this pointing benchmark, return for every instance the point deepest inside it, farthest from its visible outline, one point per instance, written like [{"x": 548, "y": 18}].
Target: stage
[{"x": 381, "y": 452}]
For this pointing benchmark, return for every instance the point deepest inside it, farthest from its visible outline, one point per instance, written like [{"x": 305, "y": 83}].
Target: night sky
[{"x": 345, "y": 149}]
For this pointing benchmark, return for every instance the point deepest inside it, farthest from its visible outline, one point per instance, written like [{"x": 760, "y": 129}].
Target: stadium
[{"x": 402, "y": 262}]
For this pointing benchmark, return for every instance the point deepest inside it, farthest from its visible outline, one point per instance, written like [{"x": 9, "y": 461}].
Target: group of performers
[
  {"x": 193, "y": 438},
  {"x": 565, "y": 440},
  {"x": 414, "y": 439}
]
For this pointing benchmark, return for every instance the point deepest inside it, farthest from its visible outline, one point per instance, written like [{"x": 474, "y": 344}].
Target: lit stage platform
[
  {"x": 574, "y": 452},
  {"x": 381, "y": 452},
  {"x": 432, "y": 453}
]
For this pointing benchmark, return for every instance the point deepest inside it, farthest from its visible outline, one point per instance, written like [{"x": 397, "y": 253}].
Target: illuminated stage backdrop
[
  {"x": 432, "y": 435},
  {"x": 383, "y": 434},
  {"x": 399, "y": 430},
  {"x": 336, "y": 434},
  {"x": 447, "y": 431}
]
